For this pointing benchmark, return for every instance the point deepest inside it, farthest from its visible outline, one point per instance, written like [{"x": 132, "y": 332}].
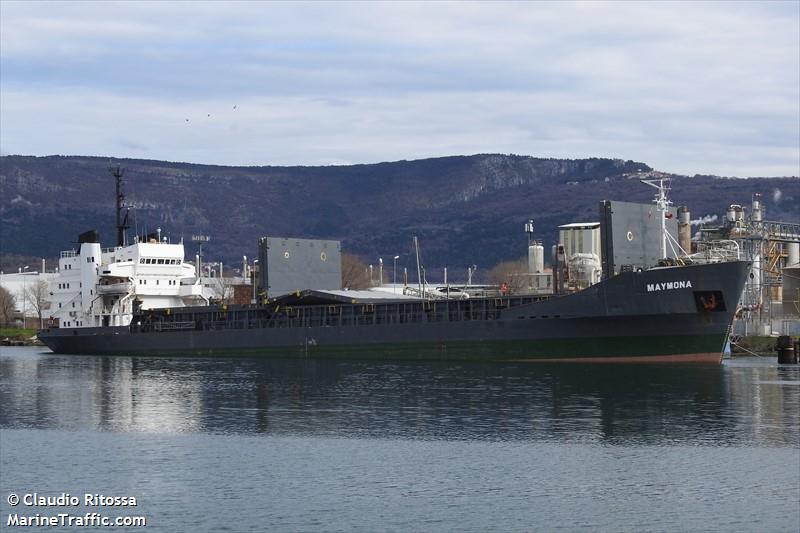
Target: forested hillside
[{"x": 464, "y": 209}]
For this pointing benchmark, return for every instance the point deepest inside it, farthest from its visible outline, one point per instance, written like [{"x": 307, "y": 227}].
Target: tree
[
  {"x": 223, "y": 290},
  {"x": 354, "y": 272},
  {"x": 7, "y": 306},
  {"x": 36, "y": 294},
  {"x": 514, "y": 274}
]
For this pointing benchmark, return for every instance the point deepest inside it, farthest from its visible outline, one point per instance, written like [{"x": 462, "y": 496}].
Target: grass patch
[
  {"x": 17, "y": 333},
  {"x": 755, "y": 343}
]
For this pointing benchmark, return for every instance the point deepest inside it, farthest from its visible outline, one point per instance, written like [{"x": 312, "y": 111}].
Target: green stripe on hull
[{"x": 484, "y": 351}]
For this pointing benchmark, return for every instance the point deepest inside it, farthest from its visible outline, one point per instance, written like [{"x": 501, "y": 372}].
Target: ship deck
[{"x": 317, "y": 309}]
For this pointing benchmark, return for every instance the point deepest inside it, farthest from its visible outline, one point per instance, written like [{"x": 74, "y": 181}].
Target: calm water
[{"x": 249, "y": 445}]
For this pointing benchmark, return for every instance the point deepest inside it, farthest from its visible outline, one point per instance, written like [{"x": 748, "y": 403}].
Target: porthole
[
  {"x": 630, "y": 235},
  {"x": 323, "y": 256}
]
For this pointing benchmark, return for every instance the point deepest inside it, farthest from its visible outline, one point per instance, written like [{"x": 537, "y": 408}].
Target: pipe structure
[{"x": 685, "y": 229}]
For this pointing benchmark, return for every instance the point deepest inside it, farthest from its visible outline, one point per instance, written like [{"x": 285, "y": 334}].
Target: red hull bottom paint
[{"x": 700, "y": 358}]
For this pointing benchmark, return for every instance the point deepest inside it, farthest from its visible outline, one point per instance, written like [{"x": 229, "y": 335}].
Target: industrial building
[
  {"x": 770, "y": 303},
  {"x": 632, "y": 236}
]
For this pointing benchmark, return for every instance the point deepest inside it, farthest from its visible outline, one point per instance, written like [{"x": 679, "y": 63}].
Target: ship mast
[
  {"x": 122, "y": 223},
  {"x": 663, "y": 204},
  {"x": 419, "y": 274}
]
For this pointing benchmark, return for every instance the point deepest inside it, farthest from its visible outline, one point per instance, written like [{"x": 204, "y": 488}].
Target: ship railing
[
  {"x": 68, "y": 253},
  {"x": 716, "y": 252},
  {"x": 337, "y": 316},
  {"x": 173, "y": 326}
]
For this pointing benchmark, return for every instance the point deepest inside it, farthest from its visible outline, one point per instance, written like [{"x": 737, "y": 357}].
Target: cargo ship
[
  {"x": 142, "y": 299},
  {"x": 667, "y": 314}
]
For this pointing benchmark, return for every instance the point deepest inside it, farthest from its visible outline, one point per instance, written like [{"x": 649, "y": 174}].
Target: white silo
[
  {"x": 793, "y": 253},
  {"x": 756, "y": 214}
]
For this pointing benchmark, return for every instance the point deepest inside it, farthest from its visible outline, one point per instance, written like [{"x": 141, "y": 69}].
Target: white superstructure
[{"x": 104, "y": 287}]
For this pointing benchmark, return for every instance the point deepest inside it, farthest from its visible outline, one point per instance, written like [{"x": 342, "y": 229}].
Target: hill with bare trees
[{"x": 464, "y": 209}]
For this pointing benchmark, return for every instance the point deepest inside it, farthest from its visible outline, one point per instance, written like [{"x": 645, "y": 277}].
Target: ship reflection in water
[{"x": 741, "y": 403}]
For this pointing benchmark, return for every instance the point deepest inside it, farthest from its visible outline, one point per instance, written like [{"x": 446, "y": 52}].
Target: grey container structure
[
  {"x": 290, "y": 265},
  {"x": 631, "y": 235}
]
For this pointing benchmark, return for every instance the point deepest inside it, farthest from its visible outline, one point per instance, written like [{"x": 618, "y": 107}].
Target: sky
[{"x": 708, "y": 88}]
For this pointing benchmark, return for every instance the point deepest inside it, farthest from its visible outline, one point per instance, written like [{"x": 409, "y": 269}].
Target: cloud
[
  {"x": 132, "y": 145},
  {"x": 704, "y": 88}
]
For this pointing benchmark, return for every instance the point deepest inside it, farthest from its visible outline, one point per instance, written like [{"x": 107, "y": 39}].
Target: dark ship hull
[{"x": 659, "y": 315}]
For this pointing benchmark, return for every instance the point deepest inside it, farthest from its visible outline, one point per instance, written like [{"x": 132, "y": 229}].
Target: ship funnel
[{"x": 90, "y": 236}]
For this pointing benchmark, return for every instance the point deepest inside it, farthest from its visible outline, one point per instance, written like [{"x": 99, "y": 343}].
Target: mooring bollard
[{"x": 787, "y": 352}]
